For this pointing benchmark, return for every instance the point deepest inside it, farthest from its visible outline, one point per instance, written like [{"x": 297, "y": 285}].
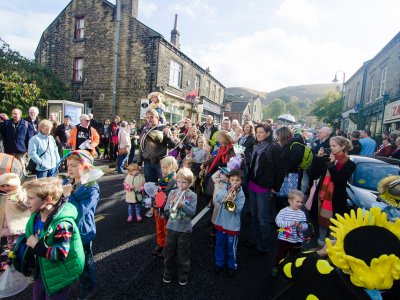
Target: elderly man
[
  {"x": 16, "y": 134},
  {"x": 209, "y": 130},
  {"x": 324, "y": 135},
  {"x": 83, "y": 136},
  {"x": 33, "y": 118}
]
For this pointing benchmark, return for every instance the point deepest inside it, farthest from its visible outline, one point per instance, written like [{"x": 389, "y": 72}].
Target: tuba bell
[{"x": 229, "y": 200}]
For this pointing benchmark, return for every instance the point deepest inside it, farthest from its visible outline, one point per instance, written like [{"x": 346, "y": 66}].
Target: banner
[{"x": 144, "y": 107}]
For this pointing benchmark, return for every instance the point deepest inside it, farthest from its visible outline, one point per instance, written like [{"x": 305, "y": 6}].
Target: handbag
[
  {"x": 289, "y": 183},
  {"x": 22, "y": 257},
  {"x": 160, "y": 200},
  {"x": 123, "y": 151},
  {"x": 31, "y": 167}
]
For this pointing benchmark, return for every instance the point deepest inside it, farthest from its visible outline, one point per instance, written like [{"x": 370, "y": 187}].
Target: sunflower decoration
[
  {"x": 389, "y": 191},
  {"x": 367, "y": 248}
]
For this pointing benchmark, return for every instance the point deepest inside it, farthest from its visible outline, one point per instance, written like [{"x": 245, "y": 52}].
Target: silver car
[{"x": 362, "y": 186}]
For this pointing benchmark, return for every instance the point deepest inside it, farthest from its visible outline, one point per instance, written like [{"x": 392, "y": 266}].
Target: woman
[
  {"x": 3, "y": 117},
  {"x": 43, "y": 150},
  {"x": 386, "y": 149},
  {"x": 247, "y": 140},
  {"x": 105, "y": 139},
  {"x": 189, "y": 140},
  {"x": 396, "y": 153},
  {"x": 124, "y": 146},
  {"x": 266, "y": 175},
  {"x": 331, "y": 196},
  {"x": 113, "y": 131},
  {"x": 238, "y": 133}
]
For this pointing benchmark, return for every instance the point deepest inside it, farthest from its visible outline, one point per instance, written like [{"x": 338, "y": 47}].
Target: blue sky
[{"x": 260, "y": 44}]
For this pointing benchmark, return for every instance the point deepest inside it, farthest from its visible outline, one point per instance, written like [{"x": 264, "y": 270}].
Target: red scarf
[
  {"x": 341, "y": 157},
  {"x": 221, "y": 155}
]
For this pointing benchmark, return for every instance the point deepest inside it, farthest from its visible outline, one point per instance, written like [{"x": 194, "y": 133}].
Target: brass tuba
[{"x": 229, "y": 200}]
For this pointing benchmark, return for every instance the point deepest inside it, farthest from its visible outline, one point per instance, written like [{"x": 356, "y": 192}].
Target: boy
[
  {"x": 54, "y": 237},
  {"x": 227, "y": 223},
  {"x": 288, "y": 219},
  {"x": 180, "y": 206},
  {"x": 82, "y": 191}
]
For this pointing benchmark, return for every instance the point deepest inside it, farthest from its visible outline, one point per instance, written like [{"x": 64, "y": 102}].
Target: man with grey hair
[
  {"x": 324, "y": 135},
  {"x": 209, "y": 130},
  {"x": 83, "y": 136},
  {"x": 33, "y": 118}
]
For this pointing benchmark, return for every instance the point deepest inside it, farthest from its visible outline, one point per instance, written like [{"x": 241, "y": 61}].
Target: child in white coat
[{"x": 133, "y": 185}]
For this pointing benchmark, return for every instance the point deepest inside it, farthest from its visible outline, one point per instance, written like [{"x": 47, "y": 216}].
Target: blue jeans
[
  {"x": 87, "y": 279},
  {"x": 226, "y": 249},
  {"x": 120, "y": 162},
  {"x": 152, "y": 172},
  {"x": 262, "y": 219},
  {"x": 46, "y": 173}
]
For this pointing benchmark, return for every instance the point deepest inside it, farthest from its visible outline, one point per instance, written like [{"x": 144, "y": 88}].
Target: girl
[
  {"x": 156, "y": 102},
  {"x": 181, "y": 206},
  {"x": 13, "y": 213},
  {"x": 105, "y": 139},
  {"x": 113, "y": 133},
  {"x": 133, "y": 184},
  {"x": 166, "y": 183},
  {"x": 199, "y": 154}
]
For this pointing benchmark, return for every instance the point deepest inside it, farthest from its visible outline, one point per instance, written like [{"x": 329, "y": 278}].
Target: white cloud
[
  {"x": 272, "y": 59},
  {"x": 147, "y": 9},
  {"x": 299, "y": 11},
  {"x": 196, "y": 8}
]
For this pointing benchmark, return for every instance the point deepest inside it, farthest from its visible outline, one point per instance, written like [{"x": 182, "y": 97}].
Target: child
[
  {"x": 180, "y": 206},
  {"x": 13, "y": 213},
  {"x": 54, "y": 237},
  {"x": 221, "y": 182},
  {"x": 227, "y": 223},
  {"x": 133, "y": 183},
  {"x": 156, "y": 99},
  {"x": 288, "y": 219},
  {"x": 83, "y": 191},
  {"x": 166, "y": 183},
  {"x": 188, "y": 163},
  {"x": 199, "y": 154}
]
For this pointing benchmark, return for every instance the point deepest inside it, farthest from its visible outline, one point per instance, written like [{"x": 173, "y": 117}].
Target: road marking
[
  {"x": 99, "y": 218},
  {"x": 200, "y": 215}
]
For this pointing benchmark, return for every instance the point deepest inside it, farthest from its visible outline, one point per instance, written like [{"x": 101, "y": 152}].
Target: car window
[{"x": 368, "y": 175}]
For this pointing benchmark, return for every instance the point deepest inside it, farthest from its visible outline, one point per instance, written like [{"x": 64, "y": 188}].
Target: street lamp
[{"x": 336, "y": 80}]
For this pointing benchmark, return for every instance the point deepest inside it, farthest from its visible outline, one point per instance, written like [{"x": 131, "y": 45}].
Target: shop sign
[
  {"x": 392, "y": 112},
  {"x": 211, "y": 107}
]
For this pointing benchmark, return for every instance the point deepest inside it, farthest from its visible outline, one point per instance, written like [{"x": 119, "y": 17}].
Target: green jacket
[{"x": 56, "y": 275}]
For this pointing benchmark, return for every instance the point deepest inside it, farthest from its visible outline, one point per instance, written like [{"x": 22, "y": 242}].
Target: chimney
[
  {"x": 175, "y": 34},
  {"x": 130, "y": 7}
]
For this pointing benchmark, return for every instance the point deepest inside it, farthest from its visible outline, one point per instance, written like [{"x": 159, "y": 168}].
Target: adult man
[
  {"x": 368, "y": 145},
  {"x": 16, "y": 133},
  {"x": 83, "y": 136},
  {"x": 355, "y": 140},
  {"x": 33, "y": 118},
  {"x": 99, "y": 128},
  {"x": 324, "y": 135},
  {"x": 209, "y": 130},
  {"x": 226, "y": 125},
  {"x": 62, "y": 134}
]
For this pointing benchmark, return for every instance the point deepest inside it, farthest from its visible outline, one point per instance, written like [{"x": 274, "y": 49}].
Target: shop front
[
  {"x": 210, "y": 108},
  {"x": 391, "y": 119},
  {"x": 348, "y": 124}
]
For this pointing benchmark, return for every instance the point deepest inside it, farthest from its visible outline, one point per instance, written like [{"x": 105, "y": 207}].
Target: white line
[{"x": 200, "y": 215}]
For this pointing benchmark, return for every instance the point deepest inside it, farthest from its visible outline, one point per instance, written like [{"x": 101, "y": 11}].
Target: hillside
[{"x": 246, "y": 92}]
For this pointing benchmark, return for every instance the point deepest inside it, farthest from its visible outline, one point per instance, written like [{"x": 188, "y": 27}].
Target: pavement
[{"x": 126, "y": 269}]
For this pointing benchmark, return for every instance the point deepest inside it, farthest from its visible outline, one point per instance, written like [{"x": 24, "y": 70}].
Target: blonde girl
[{"x": 133, "y": 184}]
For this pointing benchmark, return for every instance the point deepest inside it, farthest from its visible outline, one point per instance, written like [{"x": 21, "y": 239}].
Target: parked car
[{"x": 362, "y": 186}]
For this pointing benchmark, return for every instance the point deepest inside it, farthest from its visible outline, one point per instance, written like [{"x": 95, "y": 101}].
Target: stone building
[
  {"x": 373, "y": 92},
  {"x": 112, "y": 61},
  {"x": 243, "y": 108}
]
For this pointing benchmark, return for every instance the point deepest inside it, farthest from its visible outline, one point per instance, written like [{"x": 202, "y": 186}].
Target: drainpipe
[{"x": 116, "y": 57}]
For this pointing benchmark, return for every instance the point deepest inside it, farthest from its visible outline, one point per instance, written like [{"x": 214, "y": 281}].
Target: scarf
[
  {"x": 341, "y": 157},
  {"x": 325, "y": 197},
  {"x": 221, "y": 156},
  {"x": 257, "y": 150}
]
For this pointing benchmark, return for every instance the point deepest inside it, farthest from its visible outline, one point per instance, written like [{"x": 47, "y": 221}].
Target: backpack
[{"x": 307, "y": 156}]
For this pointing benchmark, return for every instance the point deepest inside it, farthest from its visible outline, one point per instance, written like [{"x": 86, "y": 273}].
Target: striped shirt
[{"x": 285, "y": 219}]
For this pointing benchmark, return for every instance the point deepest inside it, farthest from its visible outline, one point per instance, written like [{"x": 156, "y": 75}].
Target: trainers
[
  {"x": 138, "y": 218},
  {"x": 149, "y": 214},
  {"x": 157, "y": 250},
  {"x": 183, "y": 282},
  {"x": 129, "y": 219},
  {"x": 274, "y": 272},
  {"x": 166, "y": 280}
]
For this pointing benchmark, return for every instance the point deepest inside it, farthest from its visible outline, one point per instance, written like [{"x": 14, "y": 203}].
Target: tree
[
  {"x": 275, "y": 109},
  {"x": 328, "y": 108},
  {"x": 16, "y": 92}
]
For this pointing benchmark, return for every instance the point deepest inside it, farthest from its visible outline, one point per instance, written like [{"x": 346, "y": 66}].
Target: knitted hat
[{"x": 10, "y": 179}]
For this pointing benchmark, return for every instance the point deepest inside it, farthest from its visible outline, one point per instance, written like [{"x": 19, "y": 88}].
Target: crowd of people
[{"x": 285, "y": 178}]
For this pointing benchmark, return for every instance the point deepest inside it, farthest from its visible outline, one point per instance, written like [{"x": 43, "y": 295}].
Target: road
[{"x": 126, "y": 269}]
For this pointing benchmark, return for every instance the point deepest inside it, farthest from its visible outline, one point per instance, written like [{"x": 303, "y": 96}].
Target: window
[
  {"x": 348, "y": 98},
  {"x": 382, "y": 87},
  {"x": 79, "y": 28},
  {"x": 197, "y": 83},
  {"x": 371, "y": 93},
  {"x": 219, "y": 100},
  {"x": 213, "y": 91},
  {"x": 356, "y": 100},
  {"x": 175, "y": 74},
  {"x": 78, "y": 69},
  {"x": 208, "y": 89}
]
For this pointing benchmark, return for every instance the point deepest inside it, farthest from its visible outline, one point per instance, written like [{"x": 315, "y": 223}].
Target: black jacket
[
  {"x": 249, "y": 144},
  {"x": 292, "y": 156},
  {"x": 16, "y": 137},
  {"x": 356, "y": 147},
  {"x": 271, "y": 170}
]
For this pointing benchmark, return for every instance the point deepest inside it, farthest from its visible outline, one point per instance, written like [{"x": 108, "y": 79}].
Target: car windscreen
[{"x": 368, "y": 175}]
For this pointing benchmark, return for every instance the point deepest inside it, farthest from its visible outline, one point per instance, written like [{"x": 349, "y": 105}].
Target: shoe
[
  {"x": 274, "y": 272},
  {"x": 149, "y": 213},
  {"x": 218, "y": 269},
  {"x": 157, "y": 250},
  {"x": 183, "y": 282},
  {"x": 138, "y": 218},
  {"x": 231, "y": 272},
  {"x": 257, "y": 252},
  {"x": 166, "y": 280},
  {"x": 129, "y": 219}
]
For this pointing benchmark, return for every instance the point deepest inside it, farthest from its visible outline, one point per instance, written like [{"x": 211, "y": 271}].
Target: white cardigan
[{"x": 124, "y": 139}]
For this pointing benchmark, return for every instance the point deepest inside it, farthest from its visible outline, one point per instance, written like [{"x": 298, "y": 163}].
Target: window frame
[
  {"x": 79, "y": 31},
  {"x": 371, "y": 92},
  {"x": 175, "y": 74},
  {"x": 382, "y": 86},
  {"x": 208, "y": 83},
  {"x": 78, "y": 69},
  {"x": 197, "y": 80}
]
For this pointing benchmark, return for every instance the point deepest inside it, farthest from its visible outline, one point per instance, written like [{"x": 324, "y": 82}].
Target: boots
[{"x": 138, "y": 216}]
